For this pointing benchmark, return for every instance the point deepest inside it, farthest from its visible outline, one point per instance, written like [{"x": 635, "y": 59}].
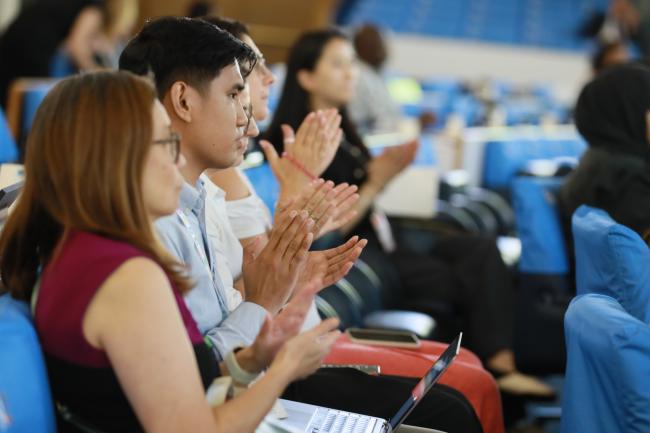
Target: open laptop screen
[{"x": 425, "y": 384}]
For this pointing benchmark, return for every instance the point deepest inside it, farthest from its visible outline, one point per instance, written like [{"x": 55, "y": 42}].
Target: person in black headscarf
[{"x": 613, "y": 115}]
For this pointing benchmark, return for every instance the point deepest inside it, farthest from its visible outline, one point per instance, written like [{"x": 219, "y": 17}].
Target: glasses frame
[{"x": 173, "y": 143}]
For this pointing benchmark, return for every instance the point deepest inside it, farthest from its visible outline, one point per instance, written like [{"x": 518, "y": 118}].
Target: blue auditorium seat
[
  {"x": 61, "y": 65},
  {"x": 265, "y": 184},
  {"x": 613, "y": 260},
  {"x": 544, "y": 285},
  {"x": 8, "y": 149},
  {"x": 537, "y": 218},
  {"x": 25, "y": 400},
  {"x": 32, "y": 99},
  {"x": 503, "y": 159},
  {"x": 608, "y": 368}
]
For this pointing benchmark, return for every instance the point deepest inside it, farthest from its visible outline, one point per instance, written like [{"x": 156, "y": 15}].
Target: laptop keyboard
[{"x": 335, "y": 421}]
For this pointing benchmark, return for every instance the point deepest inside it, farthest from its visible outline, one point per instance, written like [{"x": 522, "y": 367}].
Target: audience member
[
  {"x": 613, "y": 115},
  {"x": 200, "y": 86},
  {"x": 373, "y": 109},
  {"x": 122, "y": 350},
  {"x": 463, "y": 270},
  {"x": 248, "y": 218},
  {"x": 76, "y": 27}
]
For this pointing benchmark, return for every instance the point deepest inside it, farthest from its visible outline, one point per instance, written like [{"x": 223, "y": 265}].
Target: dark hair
[
  {"x": 294, "y": 102},
  {"x": 234, "y": 27},
  {"x": 187, "y": 49},
  {"x": 600, "y": 55},
  {"x": 83, "y": 170}
]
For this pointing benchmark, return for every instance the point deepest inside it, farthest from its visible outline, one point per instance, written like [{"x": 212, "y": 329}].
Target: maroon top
[
  {"x": 69, "y": 284},
  {"x": 81, "y": 376}
]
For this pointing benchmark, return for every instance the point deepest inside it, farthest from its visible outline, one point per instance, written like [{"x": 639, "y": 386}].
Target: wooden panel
[{"x": 276, "y": 24}]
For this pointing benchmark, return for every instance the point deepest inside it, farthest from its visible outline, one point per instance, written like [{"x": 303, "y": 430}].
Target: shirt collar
[{"x": 193, "y": 198}]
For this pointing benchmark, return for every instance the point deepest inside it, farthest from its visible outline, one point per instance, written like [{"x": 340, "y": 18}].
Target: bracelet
[
  {"x": 237, "y": 373},
  {"x": 298, "y": 165}
]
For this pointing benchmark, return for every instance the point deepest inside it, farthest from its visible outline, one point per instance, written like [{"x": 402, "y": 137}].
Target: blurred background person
[
  {"x": 84, "y": 32},
  {"x": 373, "y": 109}
]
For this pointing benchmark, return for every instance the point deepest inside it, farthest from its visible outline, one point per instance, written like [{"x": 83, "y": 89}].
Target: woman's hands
[
  {"x": 307, "y": 153},
  {"x": 304, "y": 354},
  {"x": 392, "y": 161}
]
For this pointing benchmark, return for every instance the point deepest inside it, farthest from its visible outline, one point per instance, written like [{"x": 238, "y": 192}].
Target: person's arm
[
  {"x": 87, "y": 26},
  {"x": 238, "y": 328},
  {"x": 231, "y": 182},
  {"x": 135, "y": 320},
  {"x": 381, "y": 170}
]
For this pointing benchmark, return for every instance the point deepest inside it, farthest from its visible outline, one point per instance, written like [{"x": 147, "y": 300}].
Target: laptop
[{"x": 307, "y": 418}]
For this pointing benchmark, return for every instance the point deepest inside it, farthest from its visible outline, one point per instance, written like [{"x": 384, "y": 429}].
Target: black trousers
[
  {"x": 443, "y": 408},
  {"x": 462, "y": 271}
]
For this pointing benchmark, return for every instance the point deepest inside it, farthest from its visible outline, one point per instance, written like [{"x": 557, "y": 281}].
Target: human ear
[{"x": 180, "y": 100}]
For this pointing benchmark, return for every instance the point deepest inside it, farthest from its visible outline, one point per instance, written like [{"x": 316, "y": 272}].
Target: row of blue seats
[
  {"x": 444, "y": 96},
  {"x": 551, "y": 24},
  {"x": 503, "y": 159}
]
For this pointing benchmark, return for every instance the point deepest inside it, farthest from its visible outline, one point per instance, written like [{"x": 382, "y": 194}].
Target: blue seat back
[
  {"x": 61, "y": 65},
  {"x": 608, "y": 365},
  {"x": 25, "y": 399},
  {"x": 8, "y": 149},
  {"x": 265, "y": 184},
  {"x": 32, "y": 99},
  {"x": 611, "y": 259},
  {"x": 537, "y": 219},
  {"x": 504, "y": 158}
]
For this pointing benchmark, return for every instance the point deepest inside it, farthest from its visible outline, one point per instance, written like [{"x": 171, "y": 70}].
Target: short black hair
[
  {"x": 236, "y": 28},
  {"x": 187, "y": 49}
]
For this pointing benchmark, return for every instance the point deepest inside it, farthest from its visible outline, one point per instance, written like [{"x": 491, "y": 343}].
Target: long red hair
[{"x": 84, "y": 162}]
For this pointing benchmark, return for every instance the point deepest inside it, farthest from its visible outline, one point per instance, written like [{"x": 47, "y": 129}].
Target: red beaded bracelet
[{"x": 298, "y": 165}]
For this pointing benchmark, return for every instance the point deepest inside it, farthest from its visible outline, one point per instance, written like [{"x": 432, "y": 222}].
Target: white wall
[{"x": 421, "y": 57}]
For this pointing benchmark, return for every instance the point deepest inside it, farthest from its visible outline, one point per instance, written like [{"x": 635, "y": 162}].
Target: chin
[{"x": 238, "y": 161}]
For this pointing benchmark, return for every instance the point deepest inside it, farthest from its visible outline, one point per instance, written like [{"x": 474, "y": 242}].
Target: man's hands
[{"x": 271, "y": 275}]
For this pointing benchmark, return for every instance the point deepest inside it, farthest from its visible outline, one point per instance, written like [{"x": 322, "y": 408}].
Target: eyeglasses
[
  {"x": 173, "y": 143},
  {"x": 248, "y": 111}
]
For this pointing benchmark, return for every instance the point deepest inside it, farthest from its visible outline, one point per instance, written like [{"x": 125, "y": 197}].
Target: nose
[
  {"x": 242, "y": 119},
  {"x": 270, "y": 77},
  {"x": 253, "y": 130}
]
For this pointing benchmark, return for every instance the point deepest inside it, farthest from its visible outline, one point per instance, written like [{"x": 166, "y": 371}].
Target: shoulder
[
  {"x": 232, "y": 183},
  {"x": 90, "y": 250}
]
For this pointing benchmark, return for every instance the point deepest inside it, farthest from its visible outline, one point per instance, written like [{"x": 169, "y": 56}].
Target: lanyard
[{"x": 209, "y": 265}]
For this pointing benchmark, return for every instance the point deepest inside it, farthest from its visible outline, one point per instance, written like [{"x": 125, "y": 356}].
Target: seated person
[
  {"x": 200, "y": 86},
  {"x": 373, "y": 109},
  {"x": 237, "y": 212},
  {"x": 613, "y": 115},
  {"x": 84, "y": 30},
  {"x": 463, "y": 270},
  {"x": 122, "y": 350}
]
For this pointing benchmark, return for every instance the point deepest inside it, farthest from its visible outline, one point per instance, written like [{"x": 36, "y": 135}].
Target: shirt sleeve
[{"x": 239, "y": 329}]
